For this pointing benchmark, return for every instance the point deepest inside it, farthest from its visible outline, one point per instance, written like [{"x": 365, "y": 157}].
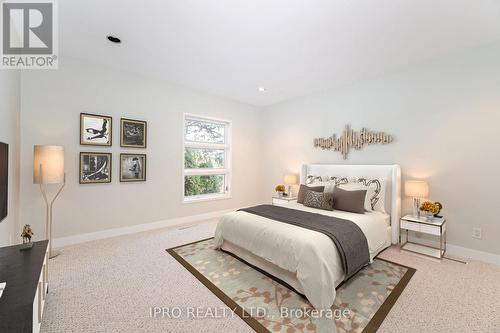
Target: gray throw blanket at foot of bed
[{"x": 346, "y": 235}]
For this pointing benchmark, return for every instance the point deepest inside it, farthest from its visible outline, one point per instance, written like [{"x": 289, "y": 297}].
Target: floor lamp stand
[{"x": 48, "y": 215}]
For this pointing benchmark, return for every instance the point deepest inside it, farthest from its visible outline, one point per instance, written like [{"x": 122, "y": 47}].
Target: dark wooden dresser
[{"x": 26, "y": 274}]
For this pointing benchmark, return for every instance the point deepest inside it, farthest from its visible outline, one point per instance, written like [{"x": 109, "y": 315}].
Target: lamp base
[
  {"x": 54, "y": 253},
  {"x": 416, "y": 207}
]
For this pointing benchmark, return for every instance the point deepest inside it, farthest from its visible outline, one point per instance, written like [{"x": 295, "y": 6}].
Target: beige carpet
[{"x": 110, "y": 286}]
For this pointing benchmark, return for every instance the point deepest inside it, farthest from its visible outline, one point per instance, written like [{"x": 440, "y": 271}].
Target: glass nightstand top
[{"x": 435, "y": 221}]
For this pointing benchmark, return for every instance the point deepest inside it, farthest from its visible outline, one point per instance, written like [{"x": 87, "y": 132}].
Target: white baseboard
[
  {"x": 70, "y": 240},
  {"x": 453, "y": 250},
  {"x": 463, "y": 252}
]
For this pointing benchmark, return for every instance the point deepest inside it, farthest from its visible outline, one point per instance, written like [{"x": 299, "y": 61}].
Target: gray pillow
[
  {"x": 319, "y": 200},
  {"x": 349, "y": 201},
  {"x": 303, "y": 191}
]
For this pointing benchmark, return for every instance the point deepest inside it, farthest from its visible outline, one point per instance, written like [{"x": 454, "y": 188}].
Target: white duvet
[{"x": 310, "y": 255}]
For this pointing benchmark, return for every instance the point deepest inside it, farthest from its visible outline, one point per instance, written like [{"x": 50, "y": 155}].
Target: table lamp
[
  {"x": 290, "y": 180},
  {"x": 417, "y": 189},
  {"x": 48, "y": 168}
]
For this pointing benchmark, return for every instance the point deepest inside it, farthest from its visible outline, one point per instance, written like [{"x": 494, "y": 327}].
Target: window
[{"x": 207, "y": 158}]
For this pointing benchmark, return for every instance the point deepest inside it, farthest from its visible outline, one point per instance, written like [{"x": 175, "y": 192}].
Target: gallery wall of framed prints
[{"x": 97, "y": 167}]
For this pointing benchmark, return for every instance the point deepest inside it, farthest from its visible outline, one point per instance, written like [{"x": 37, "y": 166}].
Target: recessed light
[
  {"x": 262, "y": 89},
  {"x": 114, "y": 39}
]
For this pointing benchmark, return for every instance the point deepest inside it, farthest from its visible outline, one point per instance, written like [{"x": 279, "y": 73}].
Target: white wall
[
  {"x": 51, "y": 104},
  {"x": 9, "y": 133},
  {"x": 445, "y": 118},
  {"x": 444, "y": 115}
]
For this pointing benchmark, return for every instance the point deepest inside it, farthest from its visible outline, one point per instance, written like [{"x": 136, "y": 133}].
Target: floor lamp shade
[{"x": 48, "y": 165}]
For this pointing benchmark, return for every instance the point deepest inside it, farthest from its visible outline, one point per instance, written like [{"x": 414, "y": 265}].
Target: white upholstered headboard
[{"x": 390, "y": 173}]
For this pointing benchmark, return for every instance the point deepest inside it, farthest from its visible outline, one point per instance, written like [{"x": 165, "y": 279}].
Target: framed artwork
[
  {"x": 133, "y": 133},
  {"x": 95, "y": 168},
  {"x": 132, "y": 167},
  {"x": 95, "y": 130}
]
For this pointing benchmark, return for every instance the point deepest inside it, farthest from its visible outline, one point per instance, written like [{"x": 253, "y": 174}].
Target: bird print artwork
[{"x": 95, "y": 130}]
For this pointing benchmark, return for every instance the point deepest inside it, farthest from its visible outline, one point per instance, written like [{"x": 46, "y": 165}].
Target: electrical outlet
[{"x": 477, "y": 233}]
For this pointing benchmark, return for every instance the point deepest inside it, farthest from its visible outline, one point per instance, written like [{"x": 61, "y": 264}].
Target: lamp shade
[
  {"x": 290, "y": 179},
  {"x": 416, "y": 188},
  {"x": 48, "y": 165}
]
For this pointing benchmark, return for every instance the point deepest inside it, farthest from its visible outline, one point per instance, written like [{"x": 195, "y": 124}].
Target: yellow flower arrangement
[
  {"x": 429, "y": 206},
  {"x": 280, "y": 188}
]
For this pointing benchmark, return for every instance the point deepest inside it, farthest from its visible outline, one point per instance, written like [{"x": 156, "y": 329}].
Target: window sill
[{"x": 207, "y": 198}]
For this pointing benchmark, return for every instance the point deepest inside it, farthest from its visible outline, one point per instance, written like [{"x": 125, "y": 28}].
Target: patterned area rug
[{"x": 266, "y": 305}]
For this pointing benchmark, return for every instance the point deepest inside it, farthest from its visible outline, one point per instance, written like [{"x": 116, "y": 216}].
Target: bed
[{"x": 308, "y": 260}]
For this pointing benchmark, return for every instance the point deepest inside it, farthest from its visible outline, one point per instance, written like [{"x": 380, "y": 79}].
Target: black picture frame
[
  {"x": 133, "y": 133},
  {"x": 136, "y": 165},
  {"x": 94, "y": 174}
]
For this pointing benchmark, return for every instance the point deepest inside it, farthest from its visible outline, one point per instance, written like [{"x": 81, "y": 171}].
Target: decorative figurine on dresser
[{"x": 26, "y": 235}]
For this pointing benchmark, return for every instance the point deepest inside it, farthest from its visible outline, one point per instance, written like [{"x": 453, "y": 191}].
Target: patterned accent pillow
[
  {"x": 304, "y": 189},
  {"x": 319, "y": 200},
  {"x": 375, "y": 196},
  {"x": 374, "y": 191},
  {"x": 312, "y": 179}
]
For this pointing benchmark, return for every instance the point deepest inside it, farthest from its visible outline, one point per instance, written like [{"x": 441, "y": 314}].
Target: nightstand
[
  {"x": 435, "y": 227},
  {"x": 282, "y": 200}
]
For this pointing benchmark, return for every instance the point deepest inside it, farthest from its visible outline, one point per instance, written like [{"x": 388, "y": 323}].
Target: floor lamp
[{"x": 48, "y": 168}]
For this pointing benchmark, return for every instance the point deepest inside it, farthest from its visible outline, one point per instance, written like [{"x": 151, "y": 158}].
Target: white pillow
[
  {"x": 380, "y": 204},
  {"x": 321, "y": 181},
  {"x": 311, "y": 179},
  {"x": 329, "y": 186}
]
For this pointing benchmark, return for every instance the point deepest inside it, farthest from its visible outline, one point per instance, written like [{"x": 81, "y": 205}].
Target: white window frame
[{"x": 226, "y": 171}]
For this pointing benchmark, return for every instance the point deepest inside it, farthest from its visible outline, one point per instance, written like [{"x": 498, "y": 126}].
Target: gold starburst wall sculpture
[{"x": 352, "y": 139}]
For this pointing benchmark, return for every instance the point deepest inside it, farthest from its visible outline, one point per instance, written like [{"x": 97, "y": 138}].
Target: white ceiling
[{"x": 231, "y": 47}]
